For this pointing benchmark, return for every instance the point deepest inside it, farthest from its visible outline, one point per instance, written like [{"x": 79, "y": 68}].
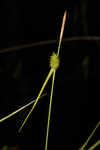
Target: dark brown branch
[{"x": 49, "y": 42}]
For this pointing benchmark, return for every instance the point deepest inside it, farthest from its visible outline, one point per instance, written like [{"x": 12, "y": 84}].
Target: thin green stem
[
  {"x": 49, "y": 113},
  {"x": 37, "y": 99},
  {"x": 95, "y": 145},
  {"x": 91, "y": 135},
  {"x": 18, "y": 110}
]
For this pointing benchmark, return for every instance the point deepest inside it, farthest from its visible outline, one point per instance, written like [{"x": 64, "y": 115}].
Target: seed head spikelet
[{"x": 54, "y": 61}]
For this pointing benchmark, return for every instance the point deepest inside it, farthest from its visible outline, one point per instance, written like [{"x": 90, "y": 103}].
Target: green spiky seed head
[{"x": 54, "y": 61}]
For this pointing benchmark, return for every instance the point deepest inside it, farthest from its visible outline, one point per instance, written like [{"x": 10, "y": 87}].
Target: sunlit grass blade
[
  {"x": 18, "y": 110},
  {"x": 38, "y": 97},
  {"x": 91, "y": 135},
  {"x": 49, "y": 113},
  {"x": 95, "y": 145}
]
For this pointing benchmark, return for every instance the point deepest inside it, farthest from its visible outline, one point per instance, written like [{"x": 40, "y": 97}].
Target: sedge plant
[{"x": 54, "y": 64}]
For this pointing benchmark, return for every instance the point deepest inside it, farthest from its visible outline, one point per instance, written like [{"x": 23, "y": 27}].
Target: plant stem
[
  {"x": 37, "y": 99},
  {"x": 94, "y": 145},
  {"x": 18, "y": 110},
  {"x": 91, "y": 135},
  {"x": 49, "y": 113}
]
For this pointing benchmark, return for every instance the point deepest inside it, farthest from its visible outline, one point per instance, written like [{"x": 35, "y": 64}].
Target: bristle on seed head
[{"x": 54, "y": 61}]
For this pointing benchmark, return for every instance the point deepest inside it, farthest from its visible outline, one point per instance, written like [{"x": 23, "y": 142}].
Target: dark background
[{"x": 75, "y": 109}]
